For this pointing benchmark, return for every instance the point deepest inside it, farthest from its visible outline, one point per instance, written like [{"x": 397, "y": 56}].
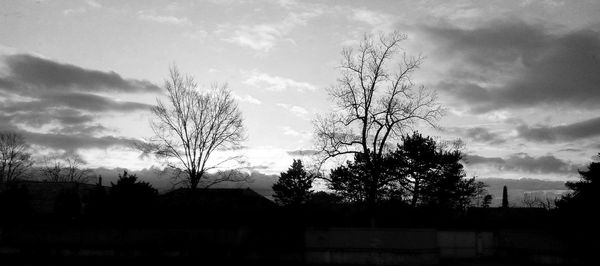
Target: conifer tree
[
  {"x": 504, "y": 198},
  {"x": 293, "y": 186}
]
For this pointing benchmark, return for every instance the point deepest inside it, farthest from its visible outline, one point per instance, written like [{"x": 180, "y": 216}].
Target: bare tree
[
  {"x": 531, "y": 200},
  {"x": 65, "y": 170},
  {"x": 191, "y": 125},
  {"x": 377, "y": 102},
  {"x": 14, "y": 158}
]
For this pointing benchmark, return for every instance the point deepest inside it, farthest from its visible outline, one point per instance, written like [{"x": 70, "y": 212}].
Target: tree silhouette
[
  {"x": 192, "y": 125},
  {"x": 14, "y": 158},
  {"x": 97, "y": 201},
  {"x": 585, "y": 193},
  {"x": 419, "y": 171},
  {"x": 322, "y": 198},
  {"x": 68, "y": 203},
  {"x": 66, "y": 170},
  {"x": 130, "y": 196},
  {"x": 352, "y": 182},
  {"x": 376, "y": 105},
  {"x": 487, "y": 201},
  {"x": 14, "y": 202},
  {"x": 293, "y": 186},
  {"x": 418, "y": 162},
  {"x": 434, "y": 175},
  {"x": 504, "y": 197}
]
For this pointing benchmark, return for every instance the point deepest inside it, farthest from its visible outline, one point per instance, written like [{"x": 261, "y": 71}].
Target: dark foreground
[{"x": 64, "y": 244}]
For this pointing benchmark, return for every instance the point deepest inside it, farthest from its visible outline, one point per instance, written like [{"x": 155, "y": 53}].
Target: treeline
[{"x": 419, "y": 172}]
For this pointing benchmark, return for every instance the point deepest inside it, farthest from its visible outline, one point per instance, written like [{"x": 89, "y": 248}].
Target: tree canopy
[
  {"x": 192, "y": 124},
  {"x": 131, "y": 196},
  {"x": 293, "y": 186},
  {"x": 376, "y": 102},
  {"x": 15, "y": 159},
  {"x": 420, "y": 172},
  {"x": 585, "y": 193}
]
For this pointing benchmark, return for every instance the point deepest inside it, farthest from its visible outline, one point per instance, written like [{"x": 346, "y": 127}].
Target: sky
[{"x": 519, "y": 79}]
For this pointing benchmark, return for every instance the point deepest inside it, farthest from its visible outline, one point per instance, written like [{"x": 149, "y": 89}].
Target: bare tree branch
[
  {"x": 376, "y": 103},
  {"x": 15, "y": 160},
  {"x": 66, "y": 170},
  {"x": 192, "y": 125}
]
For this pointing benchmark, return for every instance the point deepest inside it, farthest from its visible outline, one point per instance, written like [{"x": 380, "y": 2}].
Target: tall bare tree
[
  {"x": 376, "y": 102},
  {"x": 192, "y": 124},
  {"x": 14, "y": 158}
]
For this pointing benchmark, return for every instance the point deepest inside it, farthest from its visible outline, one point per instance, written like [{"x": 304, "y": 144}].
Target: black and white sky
[{"x": 520, "y": 79}]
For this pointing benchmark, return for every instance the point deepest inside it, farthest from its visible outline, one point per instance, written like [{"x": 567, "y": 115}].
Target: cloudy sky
[{"x": 520, "y": 79}]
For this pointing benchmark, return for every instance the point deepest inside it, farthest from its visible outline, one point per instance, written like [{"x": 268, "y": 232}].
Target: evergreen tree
[
  {"x": 504, "y": 197},
  {"x": 487, "y": 201},
  {"x": 420, "y": 171},
  {"x": 293, "y": 186},
  {"x": 585, "y": 193},
  {"x": 131, "y": 197},
  {"x": 432, "y": 174}
]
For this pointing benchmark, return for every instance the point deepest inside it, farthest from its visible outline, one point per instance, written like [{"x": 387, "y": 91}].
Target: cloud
[
  {"x": 478, "y": 134},
  {"x": 38, "y": 118},
  {"x": 302, "y": 152},
  {"x": 263, "y": 37},
  {"x": 570, "y": 150},
  {"x": 291, "y": 132},
  {"x": 296, "y": 110},
  {"x": 79, "y": 129},
  {"x": 247, "y": 99},
  {"x": 74, "y": 11},
  {"x": 74, "y": 142},
  {"x": 64, "y": 110},
  {"x": 55, "y": 105},
  {"x": 197, "y": 34},
  {"x": 93, "y": 3},
  {"x": 459, "y": 12},
  {"x": 570, "y": 132},
  {"x": 379, "y": 21},
  {"x": 522, "y": 162},
  {"x": 258, "y": 37},
  {"x": 512, "y": 64},
  {"x": 27, "y": 74},
  {"x": 173, "y": 20},
  {"x": 276, "y": 83}
]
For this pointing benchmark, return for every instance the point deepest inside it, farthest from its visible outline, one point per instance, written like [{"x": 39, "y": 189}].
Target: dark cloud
[
  {"x": 522, "y": 162},
  {"x": 91, "y": 102},
  {"x": 63, "y": 100},
  {"x": 580, "y": 130},
  {"x": 38, "y": 115},
  {"x": 570, "y": 150},
  {"x": 6, "y": 123},
  {"x": 476, "y": 159},
  {"x": 74, "y": 142},
  {"x": 66, "y": 108},
  {"x": 28, "y": 74},
  {"x": 302, "y": 152},
  {"x": 515, "y": 64},
  {"x": 478, "y": 134},
  {"x": 80, "y": 129}
]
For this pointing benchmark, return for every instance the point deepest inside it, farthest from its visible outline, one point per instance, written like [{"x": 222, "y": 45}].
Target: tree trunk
[
  {"x": 194, "y": 180},
  {"x": 504, "y": 197},
  {"x": 372, "y": 197},
  {"x": 415, "y": 196}
]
